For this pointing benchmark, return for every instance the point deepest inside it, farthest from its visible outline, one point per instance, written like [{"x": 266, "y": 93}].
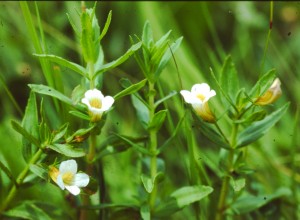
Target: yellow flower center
[
  {"x": 96, "y": 103},
  {"x": 68, "y": 178},
  {"x": 201, "y": 97}
]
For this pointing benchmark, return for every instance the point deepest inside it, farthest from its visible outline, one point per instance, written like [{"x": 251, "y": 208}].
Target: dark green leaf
[
  {"x": 259, "y": 128},
  {"x": 8, "y": 173},
  {"x": 131, "y": 89},
  {"x": 157, "y": 120},
  {"x": 46, "y": 90},
  {"x": 67, "y": 150},
  {"x": 63, "y": 62}
]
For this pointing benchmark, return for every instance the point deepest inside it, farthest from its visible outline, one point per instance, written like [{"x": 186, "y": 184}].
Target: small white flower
[
  {"x": 97, "y": 103},
  {"x": 68, "y": 178},
  {"x": 198, "y": 97},
  {"x": 271, "y": 95}
]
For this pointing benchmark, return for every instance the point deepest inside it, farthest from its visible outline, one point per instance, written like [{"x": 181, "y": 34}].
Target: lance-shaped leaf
[
  {"x": 106, "y": 26},
  {"x": 166, "y": 57},
  {"x": 30, "y": 124},
  {"x": 67, "y": 150},
  {"x": 157, "y": 120},
  {"x": 8, "y": 173},
  {"x": 181, "y": 198},
  {"x": 229, "y": 80},
  {"x": 149, "y": 183},
  {"x": 63, "y": 62},
  {"x": 46, "y": 90},
  {"x": 108, "y": 66},
  {"x": 131, "y": 89},
  {"x": 25, "y": 133},
  {"x": 259, "y": 128}
]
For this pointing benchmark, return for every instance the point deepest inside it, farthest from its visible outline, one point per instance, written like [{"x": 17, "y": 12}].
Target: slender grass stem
[{"x": 20, "y": 179}]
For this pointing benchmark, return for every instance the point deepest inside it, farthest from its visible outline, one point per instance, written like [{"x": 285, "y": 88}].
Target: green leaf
[
  {"x": 30, "y": 124},
  {"x": 172, "y": 93},
  {"x": 8, "y": 173},
  {"x": 25, "y": 133},
  {"x": 148, "y": 182},
  {"x": 248, "y": 203},
  {"x": 259, "y": 128},
  {"x": 147, "y": 36},
  {"x": 142, "y": 110},
  {"x": 157, "y": 120},
  {"x": 67, "y": 150},
  {"x": 134, "y": 145},
  {"x": 229, "y": 79},
  {"x": 60, "y": 132},
  {"x": 106, "y": 26},
  {"x": 237, "y": 184},
  {"x": 212, "y": 135},
  {"x": 131, "y": 89},
  {"x": 108, "y": 66},
  {"x": 181, "y": 198},
  {"x": 27, "y": 211},
  {"x": 81, "y": 132},
  {"x": 166, "y": 57},
  {"x": 73, "y": 26},
  {"x": 63, "y": 62},
  {"x": 46, "y": 90},
  {"x": 80, "y": 115},
  {"x": 255, "y": 116},
  {"x": 145, "y": 212},
  {"x": 39, "y": 171},
  {"x": 263, "y": 84}
]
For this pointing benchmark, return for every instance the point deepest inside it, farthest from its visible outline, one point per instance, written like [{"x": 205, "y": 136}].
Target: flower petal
[
  {"x": 107, "y": 102},
  {"x": 93, "y": 93},
  {"x": 73, "y": 189},
  {"x": 189, "y": 97},
  {"x": 81, "y": 180},
  {"x": 202, "y": 88},
  {"x": 60, "y": 182},
  {"x": 68, "y": 166}
]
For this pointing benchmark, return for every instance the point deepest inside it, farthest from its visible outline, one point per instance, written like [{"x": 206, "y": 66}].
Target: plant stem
[
  {"x": 225, "y": 183},
  {"x": 20, "y": 180},
  {"x": 153, "y": 146}
]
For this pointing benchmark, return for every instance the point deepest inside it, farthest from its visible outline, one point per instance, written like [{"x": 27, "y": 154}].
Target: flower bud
[
  {"x": 198, "y": 97},
  {"x": 271, "y": 95}
]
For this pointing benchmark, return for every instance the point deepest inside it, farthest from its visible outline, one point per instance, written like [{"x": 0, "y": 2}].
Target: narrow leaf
[
  {"x": 259, "y": 128},
  {"x": 8, "y": 173},
  {"x": 39, "y": 171},
  {"x": 106, "y": 26},
  {"x": 25, "y": 133},
  {"x": 157, "y": 120},
  {"x": 172, "y": 93},
  {"x": 80, "y": 115},
  {"x": 67, "y": 150},
  {"x": 131, "y": 89},
  {"x": 63, "y": 62},
  {"x": 263, "y": 84},
  {"x": 46, "y": 90}
]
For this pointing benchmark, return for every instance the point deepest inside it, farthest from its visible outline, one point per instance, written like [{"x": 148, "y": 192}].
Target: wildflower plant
[{"x": 66, "y": 135}]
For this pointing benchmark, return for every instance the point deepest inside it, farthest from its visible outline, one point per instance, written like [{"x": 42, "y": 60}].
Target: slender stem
[
  {"x": 153, "y": 145},
  {"x": 92, "y": 71},
  {"x": 225, "y": 183},
  {"x": 20, "y": 180}
]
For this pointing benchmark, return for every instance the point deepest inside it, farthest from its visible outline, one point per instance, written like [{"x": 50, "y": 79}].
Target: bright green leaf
[
  {"x": 106, "y": 26},
  {"x": 63, "y": 62},
  {"x": 67, "y": 150},
  {"x": 259, "y": 128},
  {"x": 60, "y": 132},
  {"x": 237, "y": 184},
  {"x": 157, "y": 120},
  {"x": 8, "y": 173},
  {"x": 142, "y": 110},
  {"x": 39, "y": 171},
  {"x": 145, "y": 212},
  {"x": 172, "y": 93},
  {"x": 80, "y": 115}
]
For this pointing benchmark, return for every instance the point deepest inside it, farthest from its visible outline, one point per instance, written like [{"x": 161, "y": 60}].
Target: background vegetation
[{"x": 211, "y": 31}]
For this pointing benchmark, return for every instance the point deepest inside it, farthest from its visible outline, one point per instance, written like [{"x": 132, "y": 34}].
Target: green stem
[
  {"x": 153, "y": 146},
  {"x": 20, "y": 180},
  {"x": 225, "y": 183},
  {"x": 92, "y": 71}
]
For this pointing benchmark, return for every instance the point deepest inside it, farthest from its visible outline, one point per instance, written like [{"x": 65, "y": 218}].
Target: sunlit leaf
[
  {"x": 131, "y": 89},
  {"x": 157, "y": 120},
  {"x": 67, "y": 150}
]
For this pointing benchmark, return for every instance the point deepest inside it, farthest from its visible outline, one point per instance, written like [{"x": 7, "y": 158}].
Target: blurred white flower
[
  {"x": 97, "y": 103},
  {"x": 271, "y": 95},
  {"x": 198, "y": 97},
  {"x": 68, "y": 178}
]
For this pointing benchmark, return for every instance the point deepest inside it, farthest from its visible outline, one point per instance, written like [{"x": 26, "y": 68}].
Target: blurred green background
[{"x": 211, "y": 30}]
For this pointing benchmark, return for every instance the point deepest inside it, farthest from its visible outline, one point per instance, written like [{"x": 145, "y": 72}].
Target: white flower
[
  {"x": 198, "y": 97},
  {"x": 68, "y": 178},
  {"x": 271, "y": 95},
  {"x": 97, "y": 103}
]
